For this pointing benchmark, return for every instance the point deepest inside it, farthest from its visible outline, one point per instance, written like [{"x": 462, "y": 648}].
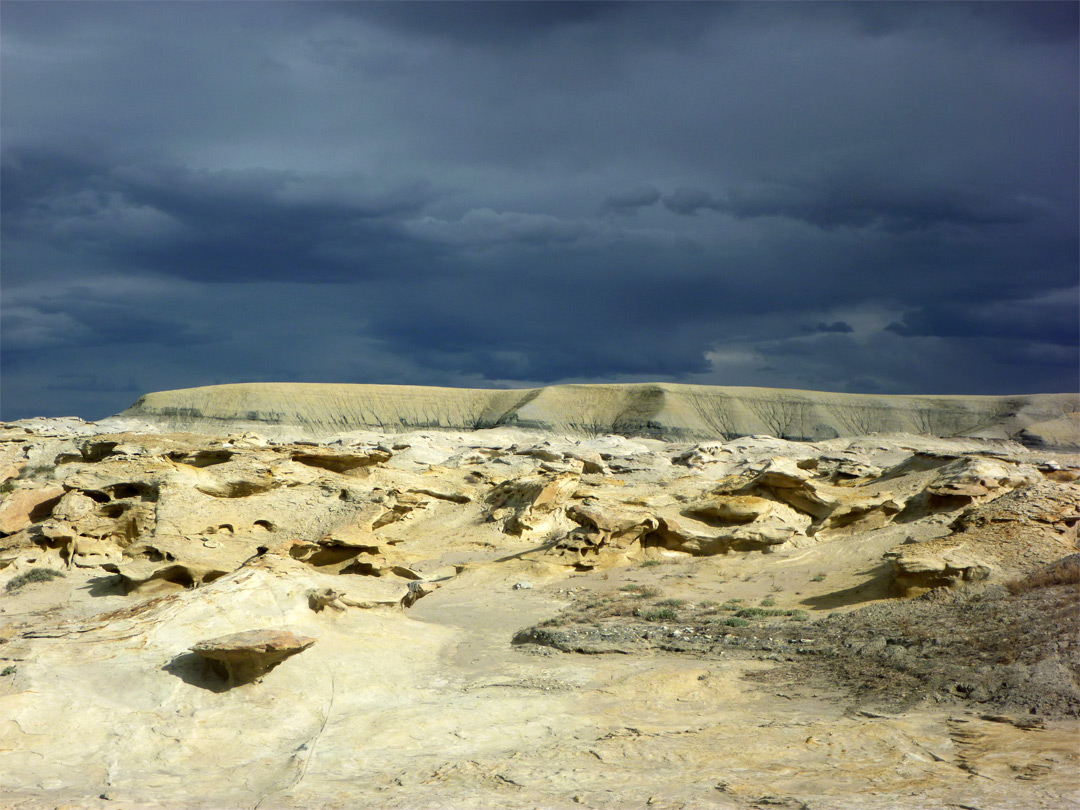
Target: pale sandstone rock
[
  {"x": 24, "y": 506},
  {"x": 532, "y": 504},
  {"x": 1010, "y": 536},
  {"x": 744, "y": 520},
  {"x": 604, "y": 529},
  {"x": 980, "y": 476},
  {"x": 431, "y": 705},
  {"x": 12, "y": 460},
  {"x": 243, "y": 657}
]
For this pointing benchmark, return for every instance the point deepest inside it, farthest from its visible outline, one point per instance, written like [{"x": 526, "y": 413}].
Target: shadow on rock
[
  {"x": 195, "y": 670},
  {"x": 879, "y": 586},
  {"x": 106, "y": 586}
]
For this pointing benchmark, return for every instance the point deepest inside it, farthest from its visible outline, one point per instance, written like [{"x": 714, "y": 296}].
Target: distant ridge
[{"x": 658, "y": 410}]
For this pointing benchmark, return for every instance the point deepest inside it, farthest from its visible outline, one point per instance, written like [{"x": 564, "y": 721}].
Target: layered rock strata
[{"x": 662, "y": 410}]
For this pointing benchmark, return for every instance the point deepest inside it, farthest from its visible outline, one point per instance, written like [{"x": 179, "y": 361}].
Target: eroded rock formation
[
  {"x": 244, "y": 549},
  {"x": 243, "y": 657}
]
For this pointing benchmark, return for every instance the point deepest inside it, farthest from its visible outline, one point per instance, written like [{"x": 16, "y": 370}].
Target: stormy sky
[{"x": 863, "y": 197}]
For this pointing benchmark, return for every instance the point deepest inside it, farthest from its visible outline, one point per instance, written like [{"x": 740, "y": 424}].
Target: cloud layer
[{"x": 860, "y": 197}]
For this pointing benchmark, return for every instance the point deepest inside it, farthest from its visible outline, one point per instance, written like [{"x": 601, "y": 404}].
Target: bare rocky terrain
[{"x": 501, "y": 617}]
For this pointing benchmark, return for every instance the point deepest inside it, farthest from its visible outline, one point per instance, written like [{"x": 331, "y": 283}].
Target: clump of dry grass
[
  {"x": 33, "y": 575},
  {"x": 1063, "y": 572}
]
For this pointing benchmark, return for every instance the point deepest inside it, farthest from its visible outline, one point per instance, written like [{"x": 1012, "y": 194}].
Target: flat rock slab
[{"x": 243, "y": 657}]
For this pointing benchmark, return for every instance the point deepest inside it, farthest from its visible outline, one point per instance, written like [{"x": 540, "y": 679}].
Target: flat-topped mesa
[{"x": 658, "y": 410}]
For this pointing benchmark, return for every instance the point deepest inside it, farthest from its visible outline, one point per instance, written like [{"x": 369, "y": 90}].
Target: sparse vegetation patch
[
  {"x": 659, "y": 614},
  {"x": 33, "y": 575},
  {"x": 1064, "y": 572}
]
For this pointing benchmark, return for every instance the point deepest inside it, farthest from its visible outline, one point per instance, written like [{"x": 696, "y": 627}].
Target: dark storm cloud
[
  {"x": 210, "y": 225},
  {"x": 521, "y": 193},
  {"x": 857, "y": 200},
  {"x": 628, "y": 202},
  {"x": 854, "y": 200},
  {"x": 688, "y": 201},
  {"x": 1051, "y": 320},
  {"x": 90, "y": 316},
  {"x": 836, "y": 326},
  {"x": 504, "y": 22},
  {"x": 93, "y": 382}
]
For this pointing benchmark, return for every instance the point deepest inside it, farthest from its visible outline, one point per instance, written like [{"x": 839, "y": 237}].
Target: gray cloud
[
  {"x": 853, "y": 199},
  {"x": 688, "y": 201},
  {"x": 439, "y": 193},
  {"x": 841, "y": 327},
  {"x": 628, "y": 202},
  {"x": 1046, "y": 320}
]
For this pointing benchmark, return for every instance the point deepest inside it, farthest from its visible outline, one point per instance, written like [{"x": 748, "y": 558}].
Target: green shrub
[
  {"x": 674, "y": 603},
  {"x": 6, "y": 487},
  {"x": 818, "y": 578},
  {"x": 768, "y": 602},
  {"x": 659, "y": 615},
  {"x": 8, "y": 671},
  {"x": 732, "y": 621},
  {"x": 752, "y": 613},
  {"x": 643, "y": 592},
  {"x": 762, "y": 613},
  {"x": 651, "y": 563},
  {"x": 33, "y": 575},
  {"x": 39, "y": 471}
]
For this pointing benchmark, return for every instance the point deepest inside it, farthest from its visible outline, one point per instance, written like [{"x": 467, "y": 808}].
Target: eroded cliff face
[
  {"x": 389, "y": 619},
  {"x": 662, "y": 411}
]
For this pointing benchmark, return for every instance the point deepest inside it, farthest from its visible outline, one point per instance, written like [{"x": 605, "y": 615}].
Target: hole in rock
[
  {"x": 364, "y": 569},
  {"x": 238, "y": 489},
  {"x": 202, "y": 458},
  {"x": 338, "y": 464},
  {"x": 926, "y": 504},
  {"x": 264, "y": 525},
  {"x": 132, "y": 490},
  {"x": 717, "y": 522},
  {"x": 319, "y": 556},
  {"x": 97, "y": 451},
  {"x": 178, "y": 575}
]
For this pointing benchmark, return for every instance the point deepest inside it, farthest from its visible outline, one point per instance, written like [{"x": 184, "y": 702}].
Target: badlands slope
[
  {"x": 657, "y": 410},
  {"x": 196, "y": 615}
]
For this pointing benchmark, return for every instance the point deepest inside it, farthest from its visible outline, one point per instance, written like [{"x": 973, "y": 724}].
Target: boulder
[
  {"x": 976, "y": 477},
  {"x": 243, "y": 657}
]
